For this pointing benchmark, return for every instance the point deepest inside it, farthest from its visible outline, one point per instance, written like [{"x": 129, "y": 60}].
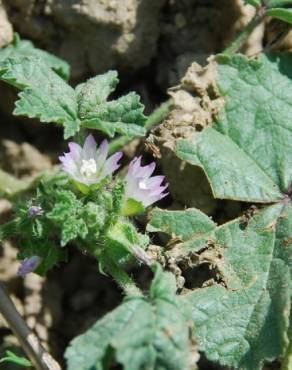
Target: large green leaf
[
  {"x": 142, "y": 333},
  {"x": 243, "y": 321},
  {"x": 23, "y": 48},
  {"x": 44, "y": 94},
  {"x": 246, "y": 155},
  {"x": 124, "y": 115},
  {"x": 48, "y": 97}
]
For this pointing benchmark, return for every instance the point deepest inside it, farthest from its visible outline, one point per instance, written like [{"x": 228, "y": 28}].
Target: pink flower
[
  {"x": 140, "y": 186},
  {"x": 29, "y": 265},
  {"x": 88, "y": 165}
]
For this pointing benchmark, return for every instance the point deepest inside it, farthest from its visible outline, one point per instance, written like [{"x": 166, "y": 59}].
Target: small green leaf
[
  {"x": 255, "y": 3},
  {"x": 20, "y": 49},
  {"x": 15, "y": 359},
  {"x": 67, "y": 214},
  {"x": 282, "y": 14},
  {"x": 142, "y": 333},
  {"x": 183, "y": 224},
  {"x": 45, "y": 95},
  {"x": 278, "y": 3},
  {"x": 121, "y": 237},
  {"x": 123, "y": 116},
  {"x": 132, "y": 208},
  {"x": 243, "y": 321},
  {"x": 246, "y": 155},
  {"x": 95, "y": 91}
]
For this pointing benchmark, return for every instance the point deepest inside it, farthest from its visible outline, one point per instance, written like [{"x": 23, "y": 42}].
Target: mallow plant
[{"x": 241, "y": 318}]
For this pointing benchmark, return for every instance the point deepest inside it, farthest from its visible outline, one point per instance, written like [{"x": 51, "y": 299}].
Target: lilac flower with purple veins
[
  {"x": 141, "y": 187},
  {"x": 29, "y": 265},
  {"x": 89, "y": 165}
]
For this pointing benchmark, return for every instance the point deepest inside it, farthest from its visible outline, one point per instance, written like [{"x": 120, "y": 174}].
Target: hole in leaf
[{"x": 197, "y": 277}]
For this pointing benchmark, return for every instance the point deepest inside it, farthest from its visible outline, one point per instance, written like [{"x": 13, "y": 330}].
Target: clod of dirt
[
  {"x": 196, "y": 105},
  {"x": 22, "y": 160},
  {"x": 6, "y": 30},
  {"x": 92, "y": 35},
  {"x": 193, "y": 30}
]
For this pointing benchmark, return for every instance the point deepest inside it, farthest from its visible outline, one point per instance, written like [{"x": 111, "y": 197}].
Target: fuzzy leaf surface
[
  {"x": 141, "y": 333},
  {"x": 246, "y": 155},
  {"x": 182, "y": 224},
  {"x": 244, "y": 321},
  {"x": 123, "y": 116},
  {"x": 44, "y": 95},
  {"x": 20, "y": 49}
]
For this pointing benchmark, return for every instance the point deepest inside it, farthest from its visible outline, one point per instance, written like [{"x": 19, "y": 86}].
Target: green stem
[
  {"x": 123, "y": 279},
  {"x": 241, "y": 38},
  {"x": 154, "y": 119},
  {"x": 287, "y": 361}
]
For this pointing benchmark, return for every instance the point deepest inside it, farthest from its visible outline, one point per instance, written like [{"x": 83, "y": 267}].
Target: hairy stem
[
  {"x": 154, "y": 119},
  {"x": 241, "y": 38},
  {"x": 123, "y": 279},
  {"x": 39, "y": 357}
]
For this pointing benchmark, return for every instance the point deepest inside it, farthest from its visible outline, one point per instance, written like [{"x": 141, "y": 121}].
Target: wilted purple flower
[
  {"x": 29, "y": 265},
  {"x": 140, "y": 186},
  {"x": 35, "y": 211},
  {"x": 88, "y": 165}
]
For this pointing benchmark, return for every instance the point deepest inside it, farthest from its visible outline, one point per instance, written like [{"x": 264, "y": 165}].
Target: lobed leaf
[
  {"x": 44, "y": 94},
  {"x": 20, "y": 49},
  {"x": 246, "y": 154},
  {"x": 244, "y": 321},
  {"x": 141, "y": 333},
  {"x": 124, "y": 115}
]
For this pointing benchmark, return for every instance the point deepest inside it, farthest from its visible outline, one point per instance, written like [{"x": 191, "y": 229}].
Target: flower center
[
  {"x": 88, "y": 167},
  {"x": 143, "y": 185}
]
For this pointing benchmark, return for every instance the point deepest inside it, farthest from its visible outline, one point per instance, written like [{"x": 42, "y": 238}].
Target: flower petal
[
  {"x": 29, "y": 265},
  {"x": 75, "y": 151},
  {"x": 102, "y": 153},
  {"x": 155, "y": 181},
  {"x": 147, "y": 171},
  {"x": 111, "y": 164},
  {"x": 89, "y": 148}
]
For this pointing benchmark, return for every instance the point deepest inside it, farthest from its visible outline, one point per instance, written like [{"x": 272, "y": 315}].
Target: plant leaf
[
  {"x": 20, "y": 49},
  {"x": 15, "y": 359},
  {"x": 278, "y": 3},
  {"x": 244, "y": 321},
  {"x": 282, "y": 14},
  {"x": 45, "y": 95},
  {"x": 124, "y": 115},
  {"x": 141, "y": 333},
  {"x": 255, "y": 3},
  {"x": 183, "y": 224},
  {"x": 246, "y": 155}
]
